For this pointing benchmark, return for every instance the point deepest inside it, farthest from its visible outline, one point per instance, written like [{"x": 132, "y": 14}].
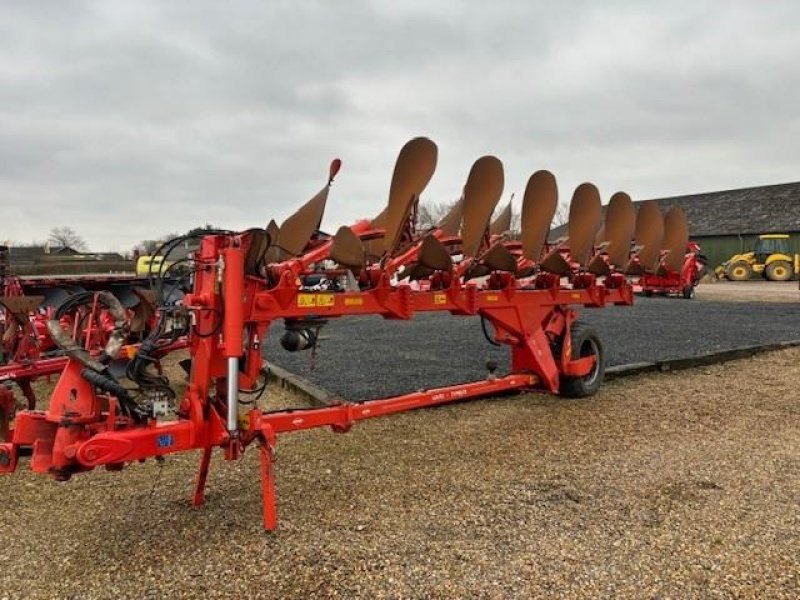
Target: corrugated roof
[
  {"x": 763, "y": 209},
  {"x": 35, "y": 251},
  {"x": 23, "y": 252}
]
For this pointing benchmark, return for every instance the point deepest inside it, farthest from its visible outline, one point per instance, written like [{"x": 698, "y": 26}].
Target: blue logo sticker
[{"x": 165, "y": 441}]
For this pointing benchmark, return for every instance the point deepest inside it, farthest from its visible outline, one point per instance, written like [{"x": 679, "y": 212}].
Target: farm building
[
  {"x": 25, "y": 256},
  {"x": 729, "y": 222},
  {"x": 63, "y": 260}
]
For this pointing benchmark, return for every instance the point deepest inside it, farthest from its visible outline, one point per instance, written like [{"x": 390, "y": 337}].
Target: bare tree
[
  {"x": 515, "y": 232},
  {"x": 68, "y": 238},
  {"x": 561, "y": 215},
  {"x": 147, "y": 247},
  {"x": 199, "y": 230},
  {"x": 430, "y": 214}
]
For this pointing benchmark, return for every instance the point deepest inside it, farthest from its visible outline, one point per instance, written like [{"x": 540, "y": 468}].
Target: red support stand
[
  {"x": 199, "y": 496},
  {"x": 267, "y": 452}
]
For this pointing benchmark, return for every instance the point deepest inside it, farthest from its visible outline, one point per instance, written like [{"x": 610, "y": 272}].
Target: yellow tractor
[
  {"x": 770, "y": 257},
  {"x": 147, "y": 266}
]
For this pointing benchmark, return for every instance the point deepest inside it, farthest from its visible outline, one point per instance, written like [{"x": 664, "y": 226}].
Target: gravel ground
[
  {"x": 670, "y": 485},
  {"x": 750, "y": 291},
  {"x": 436, "y": 349}
]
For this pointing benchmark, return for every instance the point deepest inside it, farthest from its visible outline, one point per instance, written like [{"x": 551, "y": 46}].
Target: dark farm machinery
[
  {"x": 242, "y": 282},
  {"x": 91, "y": 311}
]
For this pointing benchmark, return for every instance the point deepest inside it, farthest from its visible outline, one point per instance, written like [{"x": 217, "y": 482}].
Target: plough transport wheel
[{"x": 585, "y": 342}]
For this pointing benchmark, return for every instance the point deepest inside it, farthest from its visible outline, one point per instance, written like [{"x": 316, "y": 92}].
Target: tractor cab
[{"x": 767, "y": 245}]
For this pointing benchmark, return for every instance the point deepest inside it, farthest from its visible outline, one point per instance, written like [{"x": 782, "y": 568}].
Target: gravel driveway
[
  {"x": 669, "y": 485},
  {"x": 369, "y": 357}
]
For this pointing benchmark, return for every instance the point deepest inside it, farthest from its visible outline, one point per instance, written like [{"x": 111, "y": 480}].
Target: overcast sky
[{"x": 127, "y": 120}]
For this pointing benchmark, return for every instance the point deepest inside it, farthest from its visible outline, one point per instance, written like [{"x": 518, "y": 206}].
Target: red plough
[
  {"x": 669, "y": 281},
  {"x": 244, "y": 282}
]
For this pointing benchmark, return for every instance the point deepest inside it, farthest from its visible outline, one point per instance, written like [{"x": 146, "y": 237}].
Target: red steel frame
[{"x": 82, "y": 430}]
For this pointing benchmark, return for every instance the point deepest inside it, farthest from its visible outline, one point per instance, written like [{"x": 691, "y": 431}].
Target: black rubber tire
[
  {"x": 780, "y": 270},
  {"x": 739, "y": 271},
  {"x": 648, "y": 293},
  {"x": 585, "y": 341},
  {"x": 688, "y": 292}
]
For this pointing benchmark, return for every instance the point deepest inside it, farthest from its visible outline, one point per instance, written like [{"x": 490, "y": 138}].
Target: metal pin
[{"x": 233, "y": 394}]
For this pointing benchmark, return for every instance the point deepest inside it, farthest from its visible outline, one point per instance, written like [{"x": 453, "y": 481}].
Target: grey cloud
[{"x": 127, "y": 120}]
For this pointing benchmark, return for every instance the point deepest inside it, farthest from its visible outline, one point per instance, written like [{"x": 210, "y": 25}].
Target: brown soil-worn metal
[
  {"x": 296, "y": 231},
  {"x": 145, "y": 295},
  {"x": 676, "y": 238},
  {"x": 416, "y": 271},
  {"x": 598, "y": 266},
  {"x": 141, "y": 314},
  {"x": 554, "y": 262},
  {"x": 374, "y": 248},
  {"x": 619, "y": 229},
  {"x": 273, "y": 254},
  {"x": 333, "y": 170},
  {"x": 601, "y": 235},
  {"x": 379, "y": 222},
  {"x": 412, "y": 172},
  {"x": 538, "y": 208},
  {"x": 12, "y": 327},
  {"x": 143, "y": 310},
  {"x": 434, "y": 255},
  {"x": 481, "y": 194},
  {"x": 634, "y": 268},
  {"x": 477, "y": 270},
  {"x": 273, "y": 231},
  {"x": 256, "y": 252},
  {"x": 450, "y": 224},
  {"x": 498, "y": 258},
  {"x": 22, "y": 306},
  {"x": 347, "y": 249},
  {"x": 502, "y": 223},
  {"x": 649, "y": 234},
  {"x": 584, "y": 221},
  {"x": 585, "y": 213}
]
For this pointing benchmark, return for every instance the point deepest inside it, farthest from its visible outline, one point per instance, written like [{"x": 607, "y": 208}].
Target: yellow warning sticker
[
  {"x": 440, "y": 298},
  {"x": 492, "y": 298},
  {"x": 325, "y": 300},
  {"x": 309, "y": 300},
  {"x": 306, "y": 300},
  {"x": 576, "y": 296},
  {"x": 353, "y": 301}
]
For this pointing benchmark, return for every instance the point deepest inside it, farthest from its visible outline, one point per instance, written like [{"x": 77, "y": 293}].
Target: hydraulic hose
[{"x": 116, "y": 340}]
